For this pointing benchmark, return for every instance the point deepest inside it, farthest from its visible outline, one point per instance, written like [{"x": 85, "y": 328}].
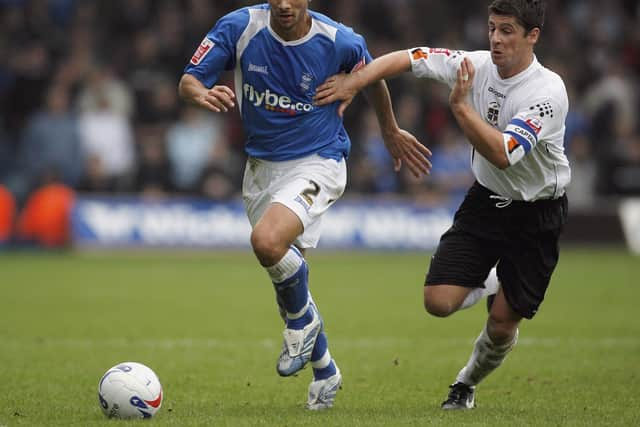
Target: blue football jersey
[{"x": 275, "y": 81}]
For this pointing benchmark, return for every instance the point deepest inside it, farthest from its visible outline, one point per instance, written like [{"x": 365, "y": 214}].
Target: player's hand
[
  {"x": 404, "y": 147},
  {"x": 339, "y": 87},
  {"x": 464, "y": 83},
  {"x": 218, "y": 99}
]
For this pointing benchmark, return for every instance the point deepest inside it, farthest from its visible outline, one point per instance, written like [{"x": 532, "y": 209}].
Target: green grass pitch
[{"x": 207, "y": 323}]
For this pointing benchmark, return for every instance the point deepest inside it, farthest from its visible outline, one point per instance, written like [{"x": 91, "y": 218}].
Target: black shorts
[{"x": 521, "y": 238}]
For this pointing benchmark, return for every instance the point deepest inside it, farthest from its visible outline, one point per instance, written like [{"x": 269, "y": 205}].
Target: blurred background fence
[{"x": 91, "y": 126}]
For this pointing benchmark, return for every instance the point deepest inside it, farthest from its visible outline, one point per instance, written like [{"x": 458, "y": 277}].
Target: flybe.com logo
[{"x": 274, "y": 102}]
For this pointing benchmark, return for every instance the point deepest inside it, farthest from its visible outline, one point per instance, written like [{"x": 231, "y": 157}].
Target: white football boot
[
  {"x": 298, "y": 345},
  {"x": 322, "y": 393}
]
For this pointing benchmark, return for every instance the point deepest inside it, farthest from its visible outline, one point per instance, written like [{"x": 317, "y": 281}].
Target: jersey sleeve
[
  {"x": 441, "y": 64},
  {"x": 538, "y": 120},
  {"x": 217, "y": 51},
  {"x": 353, "y": 51}
]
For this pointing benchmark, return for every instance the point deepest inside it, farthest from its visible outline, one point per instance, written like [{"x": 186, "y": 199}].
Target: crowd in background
[{"x": 88, "y": 97}]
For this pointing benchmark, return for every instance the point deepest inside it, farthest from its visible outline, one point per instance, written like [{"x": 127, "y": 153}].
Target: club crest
[{"x": 493, "y": 113}]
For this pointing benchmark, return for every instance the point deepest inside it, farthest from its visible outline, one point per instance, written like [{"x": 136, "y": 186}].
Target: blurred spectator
[
  {"x": 451, "y": 173},
  {"x": 7, "y": 214},
  {"x": 102, "y": 86},
  {"x": 581, "y": 190},
  {"x": 583, "y": 173},
  {"x": 616, "y": 90},
  {"x": 51, "y": 141},
  {"x": 120, "y": 61},
  {"x": 193, "y": 143},
  {"x": 153, "y": 174},
  {"x": 160, "y": 105},
  {"x": 95, "y": 178},
  {"x": 30, "y": 66},
  {"x": 7, "y": 156},
  {"x": 153, "y": 85},
  {"x": 107, "y": 139},
  {"x": 171, "y": 35},
  {"x": 373, "y": 168},
  {"x": 217, "y": 184},
  {"x": 44, "y": 220}
]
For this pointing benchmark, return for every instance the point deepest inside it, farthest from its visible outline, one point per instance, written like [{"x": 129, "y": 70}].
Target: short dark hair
[{"x": 528, "y": 13}]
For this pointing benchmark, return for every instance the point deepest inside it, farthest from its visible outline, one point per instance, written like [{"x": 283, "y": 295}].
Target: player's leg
[
  {"x": 458, "y": 273},
  {"x": 491, "y": 347},
  {"x": 321, "y": 183},
  {"x": 524, "y": 271},
  {"x": 327, "y": 378},
  {"x": 281, "y": 310},
  {"x": 272, "y": 241},
  {"x": 489, "y": 290},
  {"x": 326, "y": 374},
  {"x": 442, "y": 300},
  {"x": 302, "y": 190},
  {"x": 457, "y": 278}
]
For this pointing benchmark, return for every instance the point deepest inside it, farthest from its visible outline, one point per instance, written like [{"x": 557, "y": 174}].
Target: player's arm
[
  {"x": 215, "y": 54},
  {"x": 343, "y": 87},
  {"x": 488, "y": 141},
  {"x": 218, "y": 99},
  {"x": 402, "y": 145}
]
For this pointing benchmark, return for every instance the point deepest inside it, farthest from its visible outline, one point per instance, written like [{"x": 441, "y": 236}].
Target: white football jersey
[{"x": 529, "y": 108}]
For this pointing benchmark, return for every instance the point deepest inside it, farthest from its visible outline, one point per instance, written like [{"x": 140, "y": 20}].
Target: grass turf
[{"x": 207, "y": 323}]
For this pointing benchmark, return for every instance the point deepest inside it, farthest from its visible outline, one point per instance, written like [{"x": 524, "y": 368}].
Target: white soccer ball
[{"x": 130, "y": 390}]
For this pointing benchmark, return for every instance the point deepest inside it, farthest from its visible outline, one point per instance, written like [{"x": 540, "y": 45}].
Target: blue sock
[
  {"x": 292, "y": 291},
  {"x": 319, "y": 357},
  {"x": 324, "y": 373},
  {"x": 321, "y": 347}
]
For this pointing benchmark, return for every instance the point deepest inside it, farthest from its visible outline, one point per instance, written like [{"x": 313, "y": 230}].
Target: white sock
[
  {"x": 486, "y": 357},
  {"x": 286, "y": 267},
  {"x": 491, "y": 285},
  {"x": 323, "y": 362}
]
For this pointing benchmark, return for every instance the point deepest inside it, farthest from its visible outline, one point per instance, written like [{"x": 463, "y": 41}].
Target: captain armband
[{"x": 520, "y": 137}]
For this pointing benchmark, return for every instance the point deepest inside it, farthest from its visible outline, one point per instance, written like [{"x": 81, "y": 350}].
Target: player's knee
[
  {"x": 267, "y": 246},
  {"x": 435, "y": 305},
  {"x": 501, "y": 331}
]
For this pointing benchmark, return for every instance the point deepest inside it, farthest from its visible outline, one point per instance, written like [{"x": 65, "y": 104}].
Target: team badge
[
  {"x": 201, "y": 52},
  {"x": 306, "y": 82},
  {"x": 493, "y": 112},
  {"x": 418, "y": 54},
  {"x": 512, "y": 145}
]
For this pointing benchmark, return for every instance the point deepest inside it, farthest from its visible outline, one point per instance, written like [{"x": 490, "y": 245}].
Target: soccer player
[
  {"x": 512, "y": 111},
  {"x": 296, "y": 150}
]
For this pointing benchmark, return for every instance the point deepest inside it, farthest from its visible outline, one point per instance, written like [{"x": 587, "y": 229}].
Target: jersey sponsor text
[{"x": 274, "y": 102}]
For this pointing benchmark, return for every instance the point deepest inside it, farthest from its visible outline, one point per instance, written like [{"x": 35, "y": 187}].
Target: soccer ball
[{"x": 130, "y": 390}]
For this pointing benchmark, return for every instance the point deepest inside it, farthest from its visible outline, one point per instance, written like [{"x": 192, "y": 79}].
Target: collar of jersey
[
  {"x": 300, "y": 41},
  {"x": 520, "y": 76}
]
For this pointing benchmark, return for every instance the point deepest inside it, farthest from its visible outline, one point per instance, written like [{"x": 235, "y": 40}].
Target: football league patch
[{"x": 205, "y": 47}]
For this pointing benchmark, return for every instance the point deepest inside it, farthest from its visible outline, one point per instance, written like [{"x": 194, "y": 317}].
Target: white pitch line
[{"x": 362, "y": 343}]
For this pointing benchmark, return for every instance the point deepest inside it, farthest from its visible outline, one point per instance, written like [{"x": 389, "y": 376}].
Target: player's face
[
  {"x": 288, "y": 17},
  {"x": 511, "y": 48}
]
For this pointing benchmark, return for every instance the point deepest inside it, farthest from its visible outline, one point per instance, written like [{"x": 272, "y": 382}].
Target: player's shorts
[
  {"x": 307, "y": 186},
  {"x": 521, "y": 237}
]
